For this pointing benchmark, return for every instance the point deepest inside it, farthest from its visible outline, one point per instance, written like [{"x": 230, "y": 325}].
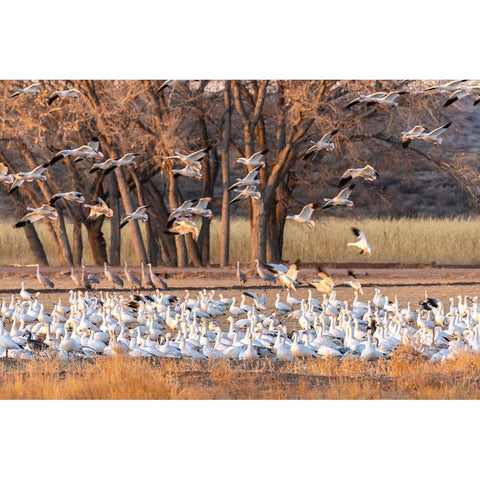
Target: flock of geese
[
  {"x": 159, "y": 324},
  {"x": 163, "y": 325}
]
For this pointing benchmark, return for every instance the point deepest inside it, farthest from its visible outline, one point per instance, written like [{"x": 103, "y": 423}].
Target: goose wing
[
  {"x": 438, "y": 131},
  {"x": 328, "y": 136}
]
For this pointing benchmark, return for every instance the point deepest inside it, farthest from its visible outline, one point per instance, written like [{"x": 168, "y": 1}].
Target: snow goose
[
  {"x": 73, "y": 196},
  {"x": 304, "y": 216},
  {"x": 250, "y": 353},
  {"x": 247, "y": 192},
  {"x": 139, "y": 214},
  {"x": 254, "y": 160},
  {"x": 43, "y": 212},
  {"x": 361, "y": 242},
  {"x": 417, "y": 132},
  {"x": 365, "y": 98},
  {"x": 282, "y": 308},
  {"x": 463, "y": 92},
  {"x": 89, "y": 151},
  {"x": 98, "y": 208},
  {"x": 368, "y": 173},
  {"x": 30, "y": 90},
  {"x": 325, "y": 283},
  {"x": 370, "y": 353},
  {"x": 299, "y": 350},
  {"x": 340, "y": 199},
  {"x": 19, "y": 178},
  {"x": 325, "y": 143},
  {"x": 112, "y": 163},
  {"x": 187, "y": 172},
  {"x": 354, "y": 282},
  {"x": 182, "y": 226},
  {"x": 70, "y": 93},
  {"x": 283, "y": 350},
  {"x": 390, "y": 99},
  {"x": 191, "y": 160},
  {"x": 6, "y": 341},
  {"x": 249, "y": 180},
  {"x": 449, "y": 86}
]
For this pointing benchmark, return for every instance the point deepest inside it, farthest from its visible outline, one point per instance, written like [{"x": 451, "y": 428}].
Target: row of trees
[{"x": 235, "y": 118}]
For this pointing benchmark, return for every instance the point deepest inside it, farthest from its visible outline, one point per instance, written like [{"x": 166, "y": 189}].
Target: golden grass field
[
  {"x": 406, "y": 376},
  {"x": 418, "y": 240}
]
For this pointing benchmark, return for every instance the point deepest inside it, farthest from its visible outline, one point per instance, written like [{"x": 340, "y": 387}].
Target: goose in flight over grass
[
  {"x": 449, "y": 86},
  {"x": 417, "y": 132},
  {"x": 35, "y": 214},
  {"x": 70, "y": 93},
  {"x": 368, "y": 173},
  {"x": 255, "y": 160},
  {"x": 366, "y": 98},
  {"x": 187, "y": 172},
  {"x": 73, "y": 196},
  {"x": 112, "y": 163},
  {"x": 249, "y": 180},
  {"x": 304, "y": 216},
  {"x": 340, "y": 199},
  {"x": 184, "y": 210},
  {"x": 354, "y": 282},
  {"x": 361, "y": 242},
  {"x": 89, "y": 151},
  {"x": 463, "y": 92},
  {"x": 139, "y": 214},
  {"x": 191, "y": 160},
  {"x": 324, "y": 283},
  {"x": 325, "y": 143},
  {"x": 98, "y": 209},
  {"x": 20, "y": 177},
  {"x": 4, "y": 175},
  {"x": 30, "y": 90},
  {"x": 247, "y": 192},
  {"x": 201, "y": 209},
  {"x": 182, "y": 226}
]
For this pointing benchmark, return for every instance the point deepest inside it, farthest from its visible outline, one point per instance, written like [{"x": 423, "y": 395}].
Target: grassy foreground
[
  {"x": 420, "y": 240},
  {"x": 406, "y": 376}
]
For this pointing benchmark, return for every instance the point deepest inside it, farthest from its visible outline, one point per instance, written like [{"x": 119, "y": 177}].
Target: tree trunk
[
  {"x": 115, "y": 232},
  {"x": 97, "y": 241},
  {"x": 77, "y": 244}
]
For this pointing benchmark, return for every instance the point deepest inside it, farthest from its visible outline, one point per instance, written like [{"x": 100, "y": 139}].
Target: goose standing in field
[
  {"x": 45, "y": 211},
  {"x": 34, "y": 344},
  {"x": 98, "y": 208},
  {"x": 70, "y": 93},
  {"x": 112, "y": 163},
  {"x": 247, "y": 192},
  {"x": 134, "y": 281},
  {"x": 304, "y": 216},
  {"x": 240, "y": 274},
  {"x": 361, "y": 242},
  {"x": 139, "y": 214},
  {"x": 89, "y": 152},
  {"x": 255, "y": 160},
  {"x": 73, "y": 196},
  {"x": 25, "y": 294},
  {"x": 182, "y": 226},
  {"x": 417, "y": 133},
  {"x": 325, "y": 143},
  {"x": 43, "y": 279},
  {"x": 112, "y": 277},
  {"x": 368, "y": 173},
  {"x": 30, "y": 90},
  {"x": 340, "y": 199},
  {"x": 191, "y": 160},
  {"x": 36, "y": 174},
  {"x": 6, "y": 341}
]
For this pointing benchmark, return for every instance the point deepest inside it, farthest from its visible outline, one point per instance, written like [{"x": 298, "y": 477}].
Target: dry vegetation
[
  {"x": 407, "y": 240},
  {"x": 406, "y": 376}
]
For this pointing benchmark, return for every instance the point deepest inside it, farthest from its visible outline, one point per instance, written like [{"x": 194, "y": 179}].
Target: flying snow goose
[
  {"x": 31, "y": 90},
  {"x": 70, "y": 93},
  {"x": 98, "y": 208},
  {"x": 247, "y": 192},
  {"x": 182, "y": 226},
  {"x": 417, "y": 132},
  {"x": 112, "y": 163},
  {"x": 367, "y": 172},
  {"x": 390, "y": 99},
  {"x": 89, "y": 151},
  {"x": 304, "y": 216},
  {"x": 449, "y": 86},
  {"x": 36, "y": 174},
  {"x": 73, "y": 196},
  {"x": 325, "y": 143},
  {"x": 325, "y": 282},
  {"x": 255, "y": 160},
  {"x": 340, "y": 199},
  {"x": 463, "y": 92},
  {"x": 201, "y": 209},
  {"x": 354, "y": 282},
  {"x": 139, "y": 214},
  {"x": 187, "y": 172},
  {"x": 191, "y": 160},
  {"x": 361, "y": 242},
  {"x": 366, "y": 98},
  {"x": 45, "y": 211},
  {"x": 249, "y": 180}
]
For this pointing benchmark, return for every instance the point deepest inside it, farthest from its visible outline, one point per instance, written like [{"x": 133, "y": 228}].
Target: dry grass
[
  {"x": 397, "y": 241},
  {"x": 406, "y": 376}
]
